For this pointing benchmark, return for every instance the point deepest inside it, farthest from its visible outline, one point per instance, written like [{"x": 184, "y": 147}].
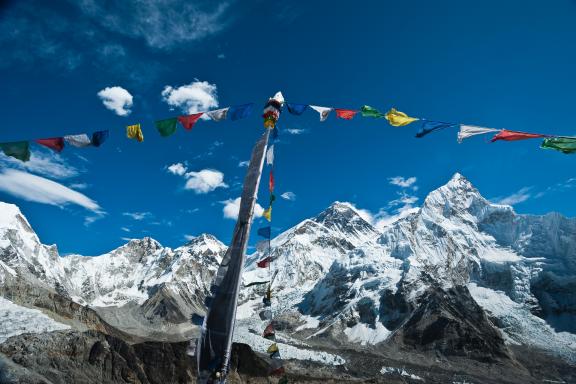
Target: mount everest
[{"x": 459, "y": 276}]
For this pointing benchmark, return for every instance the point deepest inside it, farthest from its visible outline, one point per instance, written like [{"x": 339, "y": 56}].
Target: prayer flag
[
  {"x": 272, "y": 348},
  {"x": 99, "y": 137},
  {"x": 218, "y": 114},
  {"x": 268, "y": 213},
  {"x": 17, "y": 149},
  {"x": 78, "y": 141},
  {"x": 323, "y": 111},
  {"x": 269, "y": 331},
  {"x": 275, "y": 355},
  {"x": 368, "y": 111},
  {"x": 271, "y": 181},
  {"x": 240, "y": 111},
  {"x": 296, "y": 109},
  {"x": 398, "y": 119},
  {"x": 278, "y": 371},
  {"x": 565, "y": 145},
  {"x": 166, "y": 127},
  {"x": 265, "y": 232},
  {"x": 264, "y": 263},
  {"x": 135, "y": 132},
  {"x": 270, "y": 155},
  {"x": 467, "y": 131},
  {"x": 55, "y": 143},
  {"x": 263, "y": 246},
  {"x": 515, "y": 135},
  {"x": 346, "y": 114},
  {"x": 272, "y": 198},
  {"x": 189, "y": 120},
  {"x": 431, "y": 126}
]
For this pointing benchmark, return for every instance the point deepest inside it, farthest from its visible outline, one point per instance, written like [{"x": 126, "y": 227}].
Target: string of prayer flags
[
  {"x": 322, "y": 111},
  {"x": 398, "y": 119},
  {"x": 270, "y": 155},
  {"x": 166, "y": 127},
  {"x": 346, "y": 114},
  {"x": 265, "y": 232},
  {"x": 368, "y": 111},
  {"x": 467, "y": 131},
  {"x": 135, "y": 132},
  {"x": 99, "y": 137},
  {"x": 296, "y": 109},
  {"x": 267, "y": 214},
  {"x": 55, "y": 143},
  {"x": 431, "y": 126},
  {"x": 238, "y": 112},
  {"x": 565, "y": 145},
  {"x": 17, "y": 149},
  {"x": 218, "y": 114},
  {"x": 79, "y": 141},
  {"x": 189, "y": 120},
  {"x": 507, "y": 135}
]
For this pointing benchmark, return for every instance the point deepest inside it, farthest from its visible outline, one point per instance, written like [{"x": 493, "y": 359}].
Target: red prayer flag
[
  {"x": 278, "y": 371},
  {"x": 271, "y": 183},
  {"x": 264, "y": 263},
  {"x": 55, "y": 143},
  {"x": 189, "y": 121},
  {"x": 269, "y": 331},
  {"x": 515, "y": 135},
  {"x": 346, "y": 114}
]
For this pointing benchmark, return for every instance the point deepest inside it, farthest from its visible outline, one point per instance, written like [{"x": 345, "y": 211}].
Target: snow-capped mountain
[{"x": 341, "y": 279}]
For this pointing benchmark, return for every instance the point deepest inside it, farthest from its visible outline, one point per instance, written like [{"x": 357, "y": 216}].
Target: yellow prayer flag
[
  {"x": 399, "y": 119},
  {"x": 273, "y": 348},
  {"x": 268, "y": 213},
  {"x": 135, "y": 132}
]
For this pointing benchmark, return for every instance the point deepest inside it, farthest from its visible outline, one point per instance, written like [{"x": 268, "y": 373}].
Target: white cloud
[
  {"x": 291, "y": 196},
  {"x": 384, "y": 218},
  {"x": 125, "y": 229},
  {"x": 47, "y": 163},
  {"x": 294, "y": 131},
  {"x": 116, "y": 99},
  {"x": 402, "y": 182},
  {"x": 243, "y": 164},
  {"x": 205, "y": 180},
  {"x": 195, "y": 97},
  {"x": 518, "y": 197},
  {"x": 189, "y": 237},
  {"x": 40, "y": 190},
  {"x": 177, "y": 169},
  {"x": 79, "y": 186},
  {"x": 232, "y": 208},
  {"x": 138, "y": 216}
]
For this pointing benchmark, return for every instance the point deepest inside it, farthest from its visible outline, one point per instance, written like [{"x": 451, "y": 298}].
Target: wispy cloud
[
  {"x": 204, "y": 181},
  {"x": 290, "y": 196},
  {"x": 517, "y": 197},
  {"x": 191, "y": 98},
  {"x": 46, "y": 163},
  {"x": 116, "y": 99},
  {"x": 34, "y": 188},
  {"x": 294, "y": 131},
  {"x": 232, "y": 208},
  {"x": 138, "y": 216},
  {"x": 402, "y": 206},
  {"x": 79, "y": 185},
  {"x": 403, "y": 182},
  {"x": 243, "y": 164}
]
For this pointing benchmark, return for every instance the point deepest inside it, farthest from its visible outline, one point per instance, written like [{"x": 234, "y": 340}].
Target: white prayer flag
[{"x": 323, "y": 111}]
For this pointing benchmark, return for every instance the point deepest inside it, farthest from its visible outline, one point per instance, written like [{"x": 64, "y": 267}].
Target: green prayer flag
[
  {"x": 563, "y": 144},
  {"x": 166, "y": 127},
  {"x": 17, "y": 149},
  {"x": 368, "y": 111},
  {"x": 272, "y": 198}
]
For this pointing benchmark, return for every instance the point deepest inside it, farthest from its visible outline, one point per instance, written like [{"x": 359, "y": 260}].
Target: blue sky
[{"x": 492, "y": 63}]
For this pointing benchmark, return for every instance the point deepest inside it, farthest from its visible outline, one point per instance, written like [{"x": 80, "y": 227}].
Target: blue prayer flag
[
  {"x": 237, "y": 112},
  {"x": 296, "y": 109},
  {"x": 264, "y": 232},
  {"x": 99, "y": 137},
  {"x": 431, "y": 126}
]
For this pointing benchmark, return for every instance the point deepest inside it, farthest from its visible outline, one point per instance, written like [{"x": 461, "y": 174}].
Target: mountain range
[{"x": 456, "y": 285}]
